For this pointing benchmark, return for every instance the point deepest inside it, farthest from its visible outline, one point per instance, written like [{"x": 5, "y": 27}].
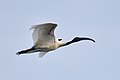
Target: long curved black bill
[{"x": 77, "y": 39}]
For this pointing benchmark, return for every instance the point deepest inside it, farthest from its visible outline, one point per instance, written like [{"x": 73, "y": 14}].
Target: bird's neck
[{"x": 59, "y": 43}]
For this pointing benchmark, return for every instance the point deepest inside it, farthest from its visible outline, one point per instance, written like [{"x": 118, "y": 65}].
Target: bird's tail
[{"x": 26, "y": 51}]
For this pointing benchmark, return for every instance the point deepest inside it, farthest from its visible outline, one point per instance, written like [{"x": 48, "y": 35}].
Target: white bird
[{"x": 45, "y": 41}]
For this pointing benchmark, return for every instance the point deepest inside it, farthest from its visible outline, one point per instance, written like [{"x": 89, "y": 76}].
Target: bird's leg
[{"x": 26, "y": 51}]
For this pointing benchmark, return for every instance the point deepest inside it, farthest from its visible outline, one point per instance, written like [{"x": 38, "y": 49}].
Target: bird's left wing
[{"x": 43, "y": 32}]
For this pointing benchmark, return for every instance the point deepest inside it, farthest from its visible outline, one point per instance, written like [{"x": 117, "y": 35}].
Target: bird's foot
[{"x": 18, "y": 53}]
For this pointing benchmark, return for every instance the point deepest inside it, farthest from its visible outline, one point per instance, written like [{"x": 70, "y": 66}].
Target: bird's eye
[{"x": 59, "y": 39}]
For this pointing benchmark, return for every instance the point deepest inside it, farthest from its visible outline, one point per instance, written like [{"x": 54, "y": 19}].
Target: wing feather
[{"x": 43, "y": 32}]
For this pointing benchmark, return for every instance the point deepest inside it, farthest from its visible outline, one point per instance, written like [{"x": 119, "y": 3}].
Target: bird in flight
[{"x": 45, "y": 40}]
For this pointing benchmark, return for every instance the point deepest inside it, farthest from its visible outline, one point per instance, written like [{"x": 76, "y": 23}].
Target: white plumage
[
  {"x": 43, "y": 31},
  {"x": 45, "y": 41}
]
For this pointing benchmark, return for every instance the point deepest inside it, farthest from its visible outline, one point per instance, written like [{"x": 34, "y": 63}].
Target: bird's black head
[{"x": 76, "y": 39}]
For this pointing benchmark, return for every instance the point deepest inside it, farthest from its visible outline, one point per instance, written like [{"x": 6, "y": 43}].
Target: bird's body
[{"x": 45, "y": 41}]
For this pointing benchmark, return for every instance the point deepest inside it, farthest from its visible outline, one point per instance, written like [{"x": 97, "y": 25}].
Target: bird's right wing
[
  {"x": 41, "y": 54},
  {"x": 43, "y": 32}
]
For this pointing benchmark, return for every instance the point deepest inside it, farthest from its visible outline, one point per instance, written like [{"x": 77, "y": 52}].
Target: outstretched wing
[{"x": 43, "y": 32}]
